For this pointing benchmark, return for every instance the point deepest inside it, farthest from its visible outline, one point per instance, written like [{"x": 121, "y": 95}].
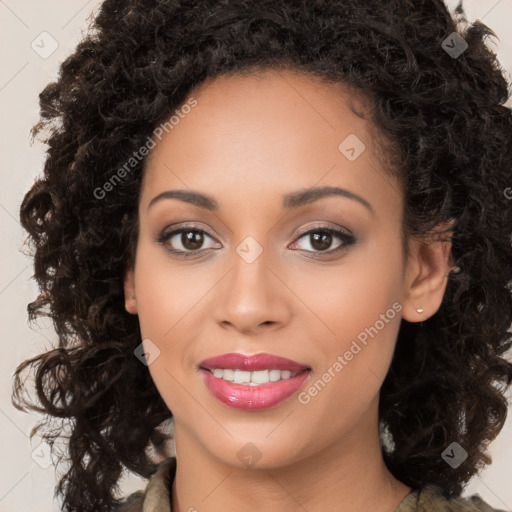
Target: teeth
[{"x": 252, "y": 378}]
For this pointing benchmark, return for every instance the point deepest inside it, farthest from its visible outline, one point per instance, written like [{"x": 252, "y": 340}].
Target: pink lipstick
[{"x": 252, "y": 382}]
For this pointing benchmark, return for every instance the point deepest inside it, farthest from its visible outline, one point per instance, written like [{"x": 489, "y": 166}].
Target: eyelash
[{"x": 346, "y": 239}]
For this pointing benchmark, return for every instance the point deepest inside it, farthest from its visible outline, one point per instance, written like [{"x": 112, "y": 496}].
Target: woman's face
[{"x": 254, "y": 283}]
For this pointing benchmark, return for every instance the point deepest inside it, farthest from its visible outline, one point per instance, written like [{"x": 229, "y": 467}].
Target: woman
[{"x": 284, "y": 226}]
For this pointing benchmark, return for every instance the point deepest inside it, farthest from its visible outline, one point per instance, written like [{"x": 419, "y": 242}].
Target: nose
[{"x": 253, "y": 296}]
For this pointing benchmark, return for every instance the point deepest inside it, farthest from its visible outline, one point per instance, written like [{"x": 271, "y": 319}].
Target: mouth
[{"x": 252, "y": 382}]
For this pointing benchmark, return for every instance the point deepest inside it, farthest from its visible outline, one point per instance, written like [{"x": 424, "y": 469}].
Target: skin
[{"x": 250, "y": 140}]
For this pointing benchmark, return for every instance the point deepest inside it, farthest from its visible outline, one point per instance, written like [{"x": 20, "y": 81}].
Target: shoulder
[
  {"x": 431, "y": 499},
  {"x": 156, "y": 495}
]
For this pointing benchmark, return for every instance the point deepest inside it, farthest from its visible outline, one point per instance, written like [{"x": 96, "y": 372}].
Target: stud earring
[
  {"x": 419, "y": 310},
  {"x": 453, "y": 270}
]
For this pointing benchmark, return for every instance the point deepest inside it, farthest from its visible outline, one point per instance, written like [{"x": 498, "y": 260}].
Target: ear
[
  {"x": 427, "y": 272},
  {"x": 130, "y": 301}
]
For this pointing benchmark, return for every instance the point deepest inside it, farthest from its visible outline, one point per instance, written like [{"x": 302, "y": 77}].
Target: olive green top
[{"x": 156, "y": 497}]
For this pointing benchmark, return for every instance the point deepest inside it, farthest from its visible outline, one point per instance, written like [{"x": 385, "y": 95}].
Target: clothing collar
[{"x": 157, "y": 497}]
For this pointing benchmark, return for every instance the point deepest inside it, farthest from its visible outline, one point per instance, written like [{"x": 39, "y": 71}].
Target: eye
[
  {"x": 188, "y": 241},
  {"x": 185, "y": 241},
  {"x": 320, "y": 239}
]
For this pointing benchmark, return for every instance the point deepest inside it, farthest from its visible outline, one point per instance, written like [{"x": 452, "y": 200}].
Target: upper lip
[{"x": 236, "y": 361}]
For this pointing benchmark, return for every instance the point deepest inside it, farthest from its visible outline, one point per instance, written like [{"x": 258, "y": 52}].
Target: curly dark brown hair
[{"x": 451, "y": 137}]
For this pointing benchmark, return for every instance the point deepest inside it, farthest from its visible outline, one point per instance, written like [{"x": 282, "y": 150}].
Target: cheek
[
  {"x": 352, "y": 367},
  {"x": 358, "y": 315},
  {"x": 166, "y": 298},
  {"x": 347, "y": 298},
  {"x": 167, "y": 291}
]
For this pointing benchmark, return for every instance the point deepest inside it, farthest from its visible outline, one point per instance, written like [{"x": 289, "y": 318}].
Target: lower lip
[{"x": 253, "y": 398}]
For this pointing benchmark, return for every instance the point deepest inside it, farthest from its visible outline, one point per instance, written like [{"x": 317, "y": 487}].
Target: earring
[
  {"x": 453, "y": 270},
  {"x": 419, "y": 310},
  {"x": 132, "y": 297}
]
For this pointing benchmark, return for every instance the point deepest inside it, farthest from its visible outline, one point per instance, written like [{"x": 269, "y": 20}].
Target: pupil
[
  {"x": 192, "y": 239},
  {"x": 321, "y": 241}
]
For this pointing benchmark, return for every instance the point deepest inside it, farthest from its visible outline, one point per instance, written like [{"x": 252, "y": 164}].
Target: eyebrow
[{"x": 290, "y": 201}]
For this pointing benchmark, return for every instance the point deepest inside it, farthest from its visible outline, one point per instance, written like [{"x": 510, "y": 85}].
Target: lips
[
  {"x": 236, "y": 361},
  {"x": 258, "y": 398}
]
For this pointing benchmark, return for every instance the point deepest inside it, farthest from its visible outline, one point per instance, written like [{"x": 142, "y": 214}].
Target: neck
[{"x": 348, "y": 474}]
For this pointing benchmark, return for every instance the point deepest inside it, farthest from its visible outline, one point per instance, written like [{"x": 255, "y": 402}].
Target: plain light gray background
[{"x": 29, "y": 30}]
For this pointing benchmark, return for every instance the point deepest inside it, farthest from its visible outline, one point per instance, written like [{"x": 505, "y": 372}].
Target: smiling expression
[{"x": 289, "y": 246}]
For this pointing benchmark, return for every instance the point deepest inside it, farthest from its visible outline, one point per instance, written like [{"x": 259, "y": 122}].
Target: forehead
[{"x": 278, "y": 130}]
